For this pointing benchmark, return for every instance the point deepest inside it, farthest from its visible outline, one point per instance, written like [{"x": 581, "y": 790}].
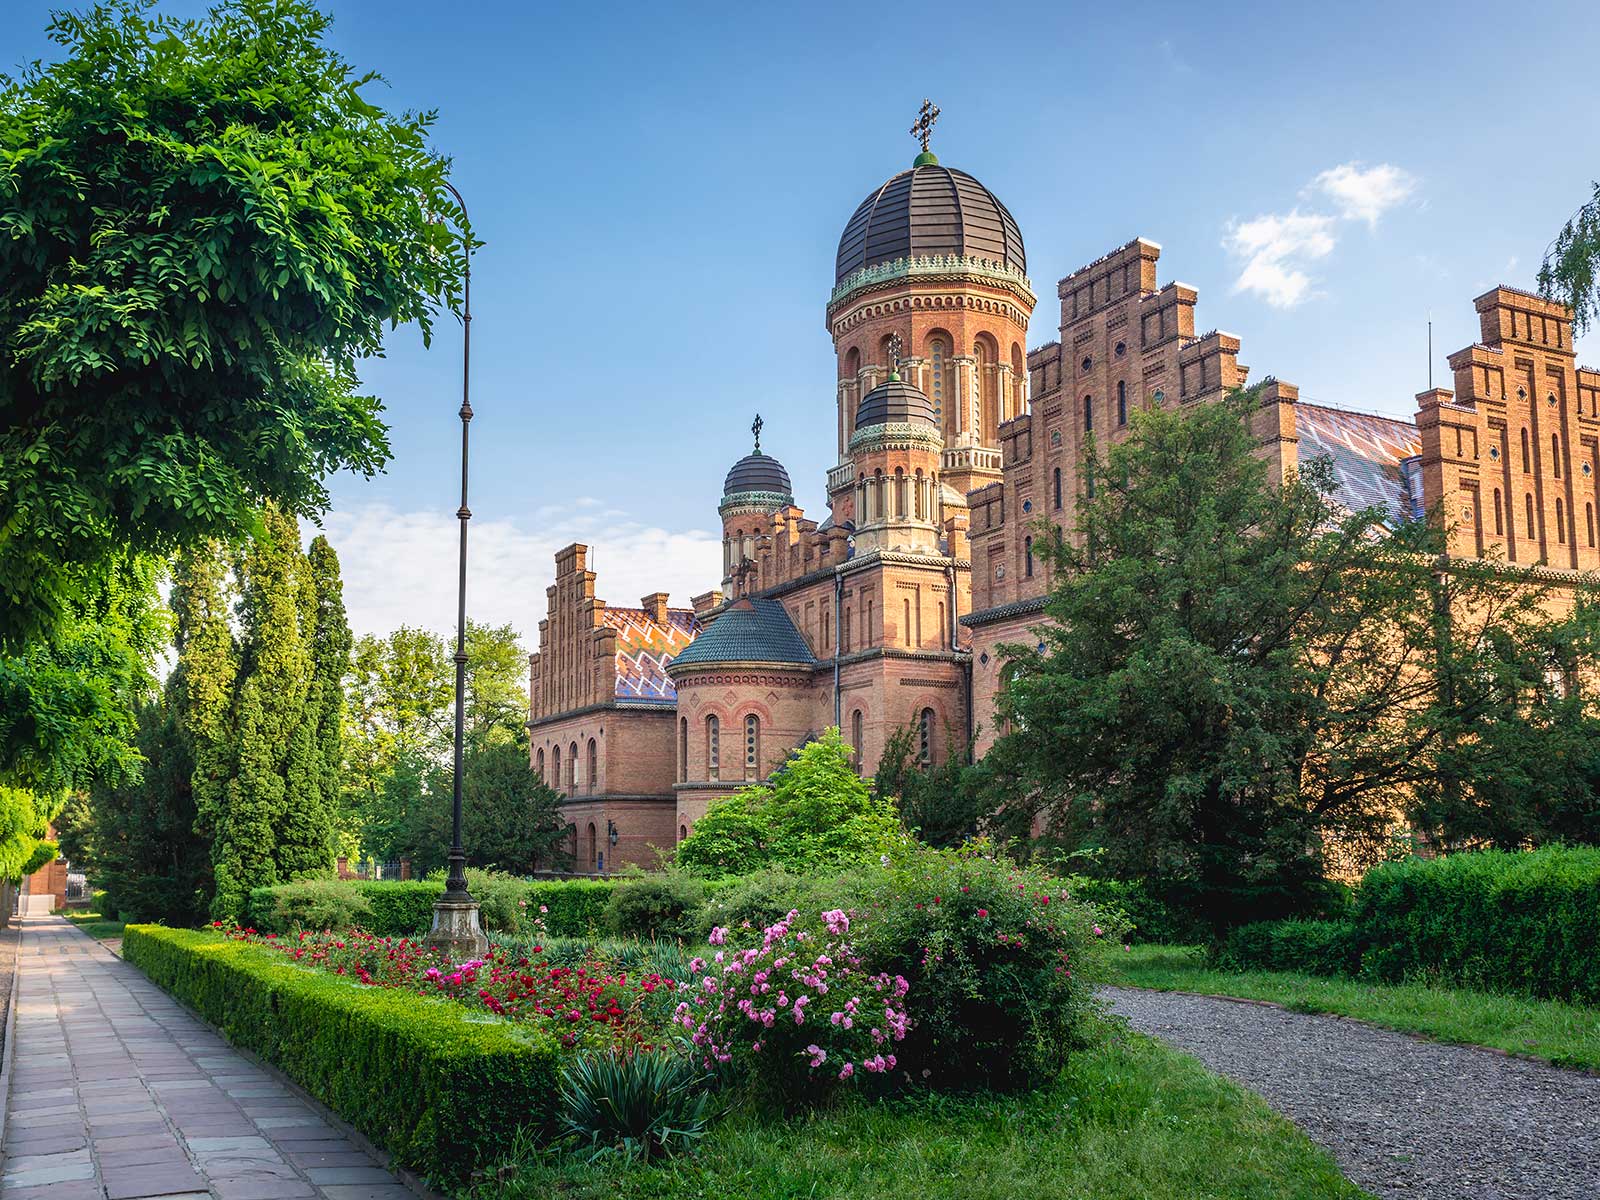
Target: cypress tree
[
  {"x": 270, "y": 743},
  {"x": 202, "y": 683},
  {"x": 305, "y": 843}
]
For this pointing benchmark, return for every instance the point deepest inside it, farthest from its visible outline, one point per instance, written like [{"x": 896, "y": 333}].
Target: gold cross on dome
[
  {"x": 755, "y": 428},
  {"x": 923, "y": 126}
]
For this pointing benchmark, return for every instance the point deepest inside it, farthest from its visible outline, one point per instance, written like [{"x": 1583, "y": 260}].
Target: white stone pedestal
[{"x": 456, "y": 932}]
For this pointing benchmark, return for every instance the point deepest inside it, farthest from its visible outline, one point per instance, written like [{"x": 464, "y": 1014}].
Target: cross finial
[
  {"x": 922, "y": 127},
  {"x": 755, "y": 428}
]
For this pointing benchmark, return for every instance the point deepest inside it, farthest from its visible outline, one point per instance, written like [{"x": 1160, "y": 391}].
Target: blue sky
[{"x": 661, "y": 189}]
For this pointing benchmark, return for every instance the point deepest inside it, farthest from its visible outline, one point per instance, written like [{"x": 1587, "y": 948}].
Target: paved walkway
[
  {"x": 1404, "y": 1117},
  {"x": 118, "y": 1092}
]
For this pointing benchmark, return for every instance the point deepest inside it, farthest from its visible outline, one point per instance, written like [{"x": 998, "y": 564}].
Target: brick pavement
[{"x": 119, "y": 1093}]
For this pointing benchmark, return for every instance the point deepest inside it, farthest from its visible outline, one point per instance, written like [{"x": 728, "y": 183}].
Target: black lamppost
[{"x": 455, "y": 917}]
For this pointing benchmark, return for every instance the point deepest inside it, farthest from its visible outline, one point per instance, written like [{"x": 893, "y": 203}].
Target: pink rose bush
[{"x": 799, "y": 1010}]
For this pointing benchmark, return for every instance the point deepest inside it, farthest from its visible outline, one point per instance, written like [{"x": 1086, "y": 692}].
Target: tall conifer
[{"x": 202, "y": 684}]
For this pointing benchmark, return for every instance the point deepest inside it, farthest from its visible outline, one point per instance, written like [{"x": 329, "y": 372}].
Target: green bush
[
  {"x": 318, "y": 904},
  {"x": 760, "y": 899},
  {"x": 1150, "y": 916},
  {"x": 104, "y": 904},
  {"x": 655, "y": 906},
  {"x": 437, "y": 1088},
  {"x": 406, "y": 909},
  {"x": 1002, "y": 965},
  {"x": 1305, "y": 946},
  {"x": 1526, "y": 923}
]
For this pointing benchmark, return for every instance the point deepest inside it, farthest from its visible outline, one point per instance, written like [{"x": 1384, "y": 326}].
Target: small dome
[
  {"x": 930, "y": 210},
  {"x": 757, "y": 472},
  {"x": 895, "y": 401}
]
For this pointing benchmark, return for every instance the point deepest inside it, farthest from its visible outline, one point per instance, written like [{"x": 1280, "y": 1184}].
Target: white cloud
[
  {"x": 399, "y": 568},
  {"x": 1274, "y": 248},
  {"x": 1365, "y": 193}
]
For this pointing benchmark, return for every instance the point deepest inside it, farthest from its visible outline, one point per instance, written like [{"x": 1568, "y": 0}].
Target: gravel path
[{"x": 1403, "y": 1117}]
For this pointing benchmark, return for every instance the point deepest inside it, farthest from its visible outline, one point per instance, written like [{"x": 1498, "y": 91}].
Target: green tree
[
  {"x": 1570, "y": 272},
  {"x": 201, "y": 689},
  {"x": 509, "y": 817},
  {"x": 815, "y": 814},
  {"x": 205, "y": 225},
  {"x": 1240, "y": 677},
  {"x": 942, "y": 804}
]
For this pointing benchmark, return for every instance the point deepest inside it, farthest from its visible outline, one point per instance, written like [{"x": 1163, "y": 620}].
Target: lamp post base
[{"x": 456, "y": 933}]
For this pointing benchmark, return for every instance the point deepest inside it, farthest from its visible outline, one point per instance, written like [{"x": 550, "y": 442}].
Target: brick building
[{"x": 954, "y": 446}]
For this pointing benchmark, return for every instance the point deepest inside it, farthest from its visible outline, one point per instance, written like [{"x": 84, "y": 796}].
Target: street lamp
[{"x": 456, "y": 931}]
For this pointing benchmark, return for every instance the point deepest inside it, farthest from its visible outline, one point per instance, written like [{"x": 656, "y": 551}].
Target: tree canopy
[
  {"x": 205, "y": 225},
  {"x": 814, "y": 814},
  {"x": 1244, "y": 685},
  {"x": 1570, "y": 272}
]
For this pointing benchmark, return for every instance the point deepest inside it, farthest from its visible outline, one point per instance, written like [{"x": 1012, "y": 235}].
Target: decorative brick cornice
[
  {"x": 936, "y": 267},
  {"x": 896, "y": 435},
  {"x": 754, "y": 502},
  {"x": 1001, "y": 612}
]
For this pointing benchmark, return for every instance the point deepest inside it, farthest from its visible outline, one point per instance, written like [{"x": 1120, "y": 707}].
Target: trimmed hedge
[
  {"x": 420, "y": 1077},
  {"x": 405, "y": 909},
  {"x": 1501, "y": 921},
  {"x": 1307, "y": 947},
  {"x": 1522, "y": 923}
]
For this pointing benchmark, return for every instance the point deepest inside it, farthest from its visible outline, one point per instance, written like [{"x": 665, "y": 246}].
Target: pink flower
[
  {"x": 983, "y": 912},
  {"x": 718, "y": 935},
  {"x": 817, "y": 1053},
  {"x": 543, "y": 909},
  {"x": 1098, "y": 932},
  {"x": 847, "y": 1070}
]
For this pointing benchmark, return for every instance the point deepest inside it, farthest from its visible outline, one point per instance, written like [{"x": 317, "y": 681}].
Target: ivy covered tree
[
  {"x": 205, "y": 225},
  {"x": 1240, "y": 678}
]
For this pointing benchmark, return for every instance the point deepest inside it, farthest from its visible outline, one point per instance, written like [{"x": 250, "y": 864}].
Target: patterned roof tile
[
  {"x": 1369, "y": 453},
  {"x": 645, "y": 647}
]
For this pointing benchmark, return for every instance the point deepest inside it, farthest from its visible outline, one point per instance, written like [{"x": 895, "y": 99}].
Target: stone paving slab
[{"x": 118, "y": 1093}]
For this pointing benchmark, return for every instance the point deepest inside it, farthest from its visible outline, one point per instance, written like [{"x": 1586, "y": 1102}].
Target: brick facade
[{"x": 906, "y": 593}]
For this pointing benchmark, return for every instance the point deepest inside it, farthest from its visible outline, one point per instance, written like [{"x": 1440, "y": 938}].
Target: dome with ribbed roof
[
  {"x": 930, "y": 210},
  {"x": 895, "y": 402},
  {"x": 757, "y": 472}
]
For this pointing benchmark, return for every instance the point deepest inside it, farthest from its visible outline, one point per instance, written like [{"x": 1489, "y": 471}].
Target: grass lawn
[
  {"x": 1564, "y": 1034},
  {"x": 94, "y": 924},
  {"x": 1129, "y": 1120}
]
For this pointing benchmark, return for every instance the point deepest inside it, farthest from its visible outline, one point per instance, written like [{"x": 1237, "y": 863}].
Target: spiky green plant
[{"x": 642, "y": 1105}]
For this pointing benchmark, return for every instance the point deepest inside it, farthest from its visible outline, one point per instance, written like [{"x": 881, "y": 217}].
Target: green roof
[{"x": 748, "y": 630}]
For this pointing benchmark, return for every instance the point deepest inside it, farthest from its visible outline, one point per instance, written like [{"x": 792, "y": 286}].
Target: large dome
[
  {"x": 930, "y": 210},
  {"x": 757, "y": 472},
  {"x": 895, "y": 401}
]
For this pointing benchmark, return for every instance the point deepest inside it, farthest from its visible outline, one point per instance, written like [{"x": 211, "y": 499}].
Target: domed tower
[
  {"x": 757, "y": 486},
  {"x": 934, "y": 259},
  {"x": 895, "y": 451}
]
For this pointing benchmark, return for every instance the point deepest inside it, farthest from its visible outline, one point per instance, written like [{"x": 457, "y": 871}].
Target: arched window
[
  {"x": 938, "y": 352},
  {"x": 1588, "y": 520},
  {"x": 555, "y": 767},
  {"x": 592, "y": 846},
  {"x": 876, "y": 492},
  {"x": 1057, "y": 486},
  {"x": 918, "y": 500},
  {"x": 1027, "y": 557},
  {"x": 901, "y": 508},
  {"x": 1088, "y": 414},
  {"x": 1561, "y": 521},
  {"x": 983, "y": 405},
  {"x": 1088, "y": 483},
  {"x": 855, "y": 740},
  {"x": 540, "y": 768},
  {"x": 572, "y": 770},
  {"x": 1555, "y": 452},
  {"x": 683, "y": 832},
  {"x": 594, "y": 767},
  {"x": 925, "y": 746},
  {"x": 1122, "y": 403},
  {"x": 905, "y": 629},
  {"x": 852, "y": 363},
  {"x": 1530, "y": 513},
  {"x": 713, "y": 749},
  {"x": 1499, "y": 516},
  {"x": 1527, "y": 462},
  {"x": 752, "y": 746},
  {"x": 683, "y": 749}
]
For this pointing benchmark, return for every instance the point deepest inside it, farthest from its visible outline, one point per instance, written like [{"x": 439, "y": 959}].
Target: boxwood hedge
[
  {"x": 1524, "y": 923},
  {"x": 440, "y": 1090},
  {"x": 576, "y": 906}
]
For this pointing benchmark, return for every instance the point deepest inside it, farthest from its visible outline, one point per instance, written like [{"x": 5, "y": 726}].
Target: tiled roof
[
  {"x": 1369, "y": 456},
  {"x": 749, "y": 630},
  {"x": 645, "y": 647}
]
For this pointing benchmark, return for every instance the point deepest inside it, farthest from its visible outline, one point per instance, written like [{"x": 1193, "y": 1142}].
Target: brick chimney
[{"x": 655, "y": 606}]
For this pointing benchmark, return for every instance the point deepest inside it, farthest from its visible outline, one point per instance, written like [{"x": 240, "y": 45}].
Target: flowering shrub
[
  {"x": 1002, "y": 965},
  {"x": 588, "y": 1005},
  {"x": 797, "y": 1012}
]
